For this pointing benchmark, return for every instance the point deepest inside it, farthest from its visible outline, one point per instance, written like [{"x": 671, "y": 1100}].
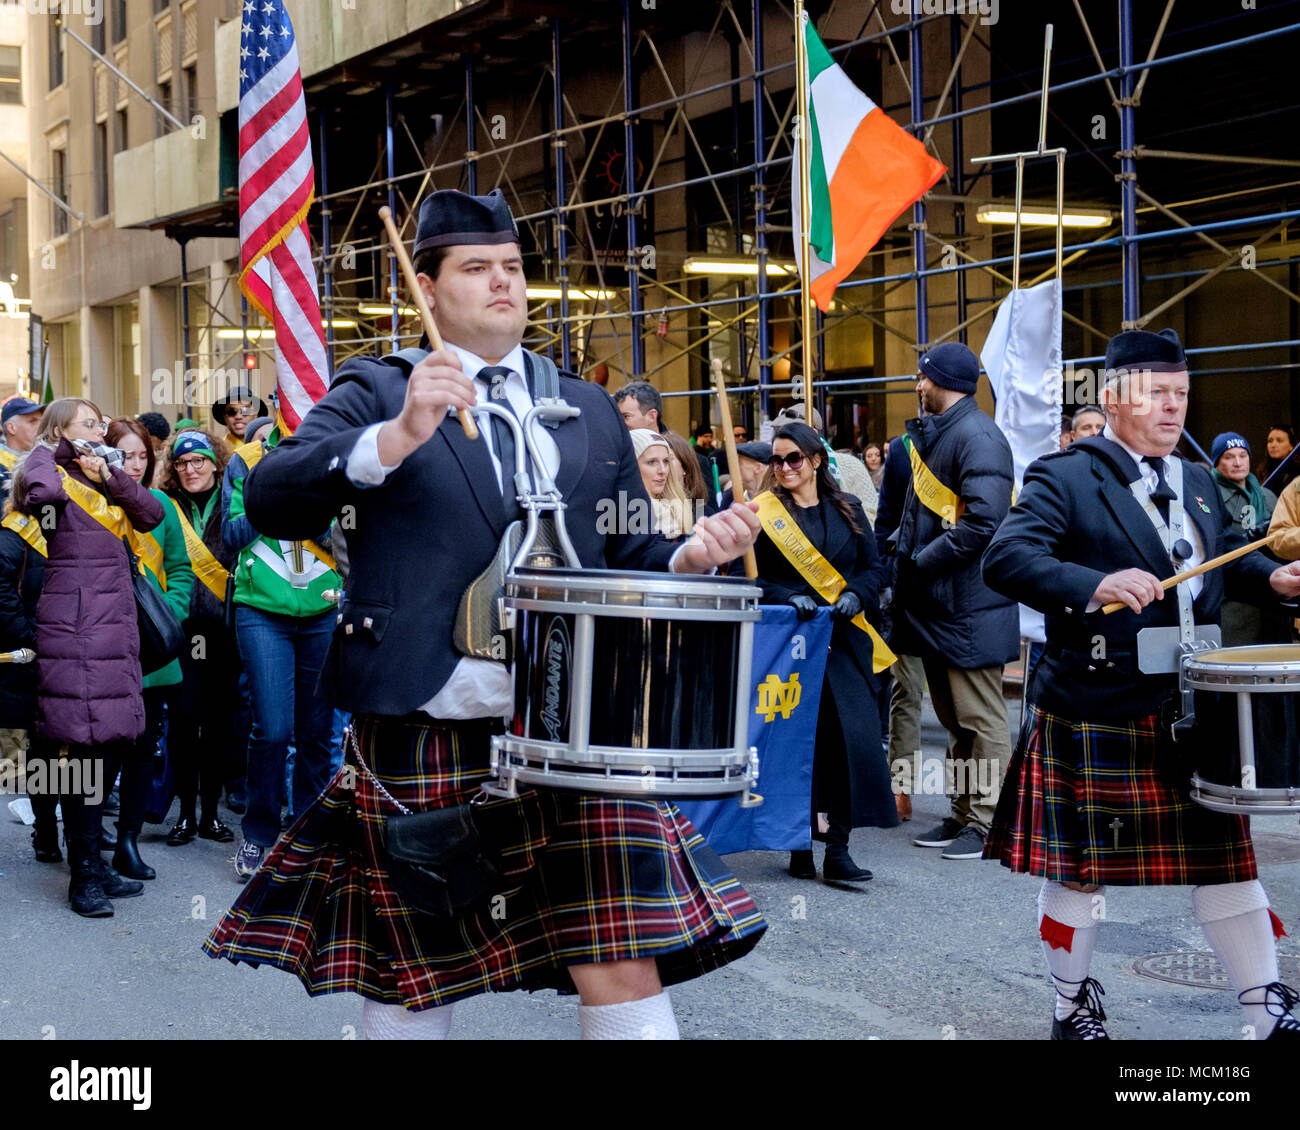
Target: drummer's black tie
[
  {"x": 1164, "y": 494},
  {"x": 503, "y": 439}
]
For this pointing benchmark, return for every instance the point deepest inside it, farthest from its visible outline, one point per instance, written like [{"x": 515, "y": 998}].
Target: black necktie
[
  {"x": 503, "y": 438},
  {"x": 1164, "y": 494}
]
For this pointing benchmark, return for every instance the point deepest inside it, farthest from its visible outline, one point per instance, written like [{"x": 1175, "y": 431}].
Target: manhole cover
[
  {"x": 1272, "y": 847},
  {"x": 1201, "y": 970}
]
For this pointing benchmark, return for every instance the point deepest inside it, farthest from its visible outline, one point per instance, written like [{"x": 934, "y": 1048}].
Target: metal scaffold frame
[{"x": 567, "y": 326}]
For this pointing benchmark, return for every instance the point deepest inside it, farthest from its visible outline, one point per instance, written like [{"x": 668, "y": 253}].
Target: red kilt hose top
[
  {"x": 588, "y": 879},
  {"x": 1096, "y": 791}
]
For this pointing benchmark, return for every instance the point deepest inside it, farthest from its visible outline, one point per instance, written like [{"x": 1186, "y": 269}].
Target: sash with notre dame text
[
  {"x": 932, "y": 493},
  {"x": 815, "y": 569}
]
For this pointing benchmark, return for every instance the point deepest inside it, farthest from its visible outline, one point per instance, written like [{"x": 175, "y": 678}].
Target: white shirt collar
[
  {"x": 472, "y": 364},
  {"x": 1138, "y": 459}
]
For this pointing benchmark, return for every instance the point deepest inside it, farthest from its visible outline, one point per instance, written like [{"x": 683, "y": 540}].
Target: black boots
[
  {"x": 802, "y": 865},
  {"x": 838, "y": 866},
  {"x": 126, "y": 859},
  {"x": 85, "y": 893},
  {"x": 45, "y": 842}
]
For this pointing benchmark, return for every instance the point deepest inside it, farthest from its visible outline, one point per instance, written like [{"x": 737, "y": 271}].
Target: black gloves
[
  {"x": 848, "y": 605},
  {"x": 804, "y": 605}
]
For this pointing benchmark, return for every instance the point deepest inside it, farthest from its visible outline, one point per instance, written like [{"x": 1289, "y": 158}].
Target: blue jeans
[{"x": 283, "y": 656}]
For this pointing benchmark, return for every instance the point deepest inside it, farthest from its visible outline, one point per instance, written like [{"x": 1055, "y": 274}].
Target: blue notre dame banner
[{"x": 789, "y": 663}]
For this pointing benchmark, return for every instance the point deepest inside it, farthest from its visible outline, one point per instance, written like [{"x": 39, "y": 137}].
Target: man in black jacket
[
  {"x": 614, "y": 897},
  {"x": 959, "y": 492},
  {"x": 1097, "y": 793}
]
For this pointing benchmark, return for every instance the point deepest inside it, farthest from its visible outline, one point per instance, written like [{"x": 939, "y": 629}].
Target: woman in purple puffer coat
[{"x": 87, "y": 644}]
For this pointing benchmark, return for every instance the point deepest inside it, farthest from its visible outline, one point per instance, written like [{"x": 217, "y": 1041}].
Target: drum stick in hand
[
  {"x": 738, "y": 492},
  {"x": 1204, "y": 567},
  {"x": 421, "y": 304}
]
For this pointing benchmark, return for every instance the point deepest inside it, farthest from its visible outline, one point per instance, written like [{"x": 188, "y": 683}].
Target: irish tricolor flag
[{"x": 864, "y": 171}]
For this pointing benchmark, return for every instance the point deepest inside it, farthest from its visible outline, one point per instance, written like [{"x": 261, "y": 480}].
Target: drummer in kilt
[
  {"x": 616, "y": 898},
  {"x": 1097, "y": 793}
]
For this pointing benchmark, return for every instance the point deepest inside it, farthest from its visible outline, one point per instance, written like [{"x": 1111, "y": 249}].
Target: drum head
[{"x": 1258, "y": 667}]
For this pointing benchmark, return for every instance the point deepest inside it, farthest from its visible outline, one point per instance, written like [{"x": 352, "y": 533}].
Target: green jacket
[
  {"x": 180, "y": 582},
  {"x": 263, "y": 566}
]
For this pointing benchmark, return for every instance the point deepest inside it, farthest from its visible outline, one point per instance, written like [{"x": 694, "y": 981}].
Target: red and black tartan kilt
[
  {"x": 1085, "y": 802},
  {"x": 592, "y": 879}
]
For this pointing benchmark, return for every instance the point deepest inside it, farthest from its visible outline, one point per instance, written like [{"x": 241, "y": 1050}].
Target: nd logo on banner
[
  {"x": 789, "y": 664},
  {"x": 774, "y": 696}
]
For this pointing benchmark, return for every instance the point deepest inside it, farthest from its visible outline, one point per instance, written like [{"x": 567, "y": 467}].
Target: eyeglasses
[
  {"x": 793, "y": 461},
  {"x": 191, "y": 463},
  {"x": 239, "y": 410},
  {"x": 93, "y": 425}
]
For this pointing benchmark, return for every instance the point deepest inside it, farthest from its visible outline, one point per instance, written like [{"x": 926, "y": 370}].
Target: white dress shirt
[{"x": 1151, "y": 480}]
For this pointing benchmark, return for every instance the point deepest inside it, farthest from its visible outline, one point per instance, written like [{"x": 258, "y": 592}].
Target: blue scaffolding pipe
[
  {"x": 471, "y": 162},
  {"x": 561, "y": 234},
  {"x": 390, "y": 158},
  {"x": 763, "y": 345},
  {"x": 327, "y": 248},
  {"x": 918, "y": 209},
  {"x": 629, "y": 161},
  {"x": 1132, "y": 297}
]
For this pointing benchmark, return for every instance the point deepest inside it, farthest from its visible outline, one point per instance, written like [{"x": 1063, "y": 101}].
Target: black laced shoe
[
  {"x": 1084, "y": 1023},
  {"x": 1287, "y": 1026}
]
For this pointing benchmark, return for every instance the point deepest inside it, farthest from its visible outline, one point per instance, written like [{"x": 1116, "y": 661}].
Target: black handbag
[
  {"x": 161, "y": 634},
  {"x": 436, "y": 859}
]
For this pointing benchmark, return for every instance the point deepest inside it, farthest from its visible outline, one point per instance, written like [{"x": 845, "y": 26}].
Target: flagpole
[{"x": 805, "y": 206}]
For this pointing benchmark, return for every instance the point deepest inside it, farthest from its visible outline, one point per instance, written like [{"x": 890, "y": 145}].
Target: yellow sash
[
  {"x": 27, "y": 528},
  {"x": 251, "y": 453},
  {"x": 114, "y": 519},
  {"x": 206, "y": 567},
  {"x": 8, "y": 459},
  {"x": 814, "y": 568},
  {"x": 932, "y": 493}
]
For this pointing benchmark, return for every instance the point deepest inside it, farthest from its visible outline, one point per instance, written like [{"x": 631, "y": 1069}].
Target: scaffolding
[{"x": 605, "y": 318}]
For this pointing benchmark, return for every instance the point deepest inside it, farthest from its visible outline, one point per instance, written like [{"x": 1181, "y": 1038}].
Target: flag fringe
[{"x": 270, "y": 245}]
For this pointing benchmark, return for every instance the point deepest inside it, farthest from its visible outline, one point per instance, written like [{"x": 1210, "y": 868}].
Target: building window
[
  {"x": 97, "y": 36},
  {"x": 164, "y": 97},
  {"x": 56, "y": 50},
  {"x": 11, "y": 75},
  {"x": 190, "y": 91},
  {"x": 101, "y": 168},
  {"x": 161, "y": 5},
  {"x": 59, "y": 186},
  {"x": 119, "y": 20},
  {"x": 120, "y": 139}
]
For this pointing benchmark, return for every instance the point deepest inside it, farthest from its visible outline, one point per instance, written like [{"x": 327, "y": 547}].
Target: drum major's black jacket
[
  {"x": 1075, "y": 521},
  {"x": 417, "y": 540}
]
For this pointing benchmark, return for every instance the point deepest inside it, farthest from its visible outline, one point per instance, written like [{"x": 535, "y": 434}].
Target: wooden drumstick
[
  {"x": 421, "y": 304},
  {"x": 1203, "y": 567},
  {"x": 738, "y": 491}
]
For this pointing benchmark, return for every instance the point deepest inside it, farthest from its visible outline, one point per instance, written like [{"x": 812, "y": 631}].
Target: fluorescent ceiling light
[
  {"x": 256, "y": 334},
  {"x": 576, "y": 294},
  {"x": 1041, "y": 217},
  {"x": 703, "y": 265},
  {"x": 384, "y": 311}
]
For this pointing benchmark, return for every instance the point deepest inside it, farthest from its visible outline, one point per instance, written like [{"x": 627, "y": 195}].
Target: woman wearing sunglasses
[{"x": 851, "y": 782}]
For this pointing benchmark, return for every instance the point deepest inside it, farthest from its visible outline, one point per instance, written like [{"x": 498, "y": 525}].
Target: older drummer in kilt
[
  {"x": 1097, "y": 792},
  {"x": 616, "y": 898}
]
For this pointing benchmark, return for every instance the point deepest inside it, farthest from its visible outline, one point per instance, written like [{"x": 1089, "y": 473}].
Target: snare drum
[
  {"x": 1247, "y": 745},
  {"x": 630, "y": 684}
]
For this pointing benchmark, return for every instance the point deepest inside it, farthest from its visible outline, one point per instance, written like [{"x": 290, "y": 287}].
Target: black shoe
[
  {"x": 838, "y": 867},
  {"x": 1287, "y": 1026},
  {"x": 940, "y": 836},
  {"x": 210, "y": 828},
  {"x": 969, "y": 844},
  {"x": 184, "y": 831},
  {"x": 107, "y": 840},
  {"x": 47, "y": 850},
  {"x": 87, "y": 898},
  {"x": 127, "y": 861},
  {"x": 802, "y": 865},
  {"x": 112, "y": 804},
  {"x": 1084, "y": 1023},
  {"x": 114, "y": 885}
]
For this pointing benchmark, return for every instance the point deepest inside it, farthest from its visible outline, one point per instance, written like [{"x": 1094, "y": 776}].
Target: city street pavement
[{"x": 930, "y": 949}]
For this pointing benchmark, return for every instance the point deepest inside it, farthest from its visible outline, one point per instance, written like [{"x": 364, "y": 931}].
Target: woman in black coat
[
  {"x": 22, "y": 569},
  {"x": 851, "y": 782}
]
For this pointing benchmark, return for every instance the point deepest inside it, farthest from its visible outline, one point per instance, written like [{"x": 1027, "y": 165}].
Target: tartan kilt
[
  {"x": 1069, "y": 782},
  {"x": 590, "y": 879}
]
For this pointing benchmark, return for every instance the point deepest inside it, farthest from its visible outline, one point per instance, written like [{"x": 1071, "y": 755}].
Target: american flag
[{"x": 276, "y": 187}]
